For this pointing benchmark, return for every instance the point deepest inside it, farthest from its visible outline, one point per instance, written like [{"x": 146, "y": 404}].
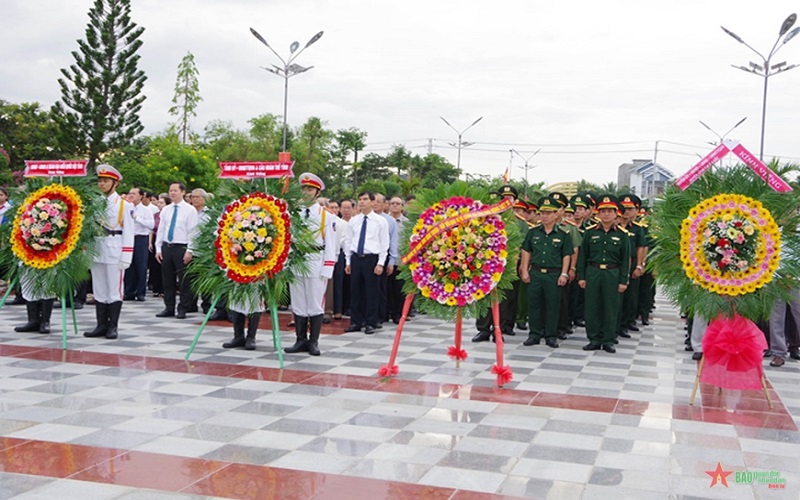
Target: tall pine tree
[
  {"x": 187, "y": 96},
  {"x": 101, "y": 94}
]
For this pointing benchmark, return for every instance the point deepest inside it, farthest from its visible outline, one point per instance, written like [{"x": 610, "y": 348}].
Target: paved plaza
[{"x": 130, "y": 418}]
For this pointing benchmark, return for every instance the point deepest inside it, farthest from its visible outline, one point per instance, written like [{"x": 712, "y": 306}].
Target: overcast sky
[{"x": 592, "y": 83}]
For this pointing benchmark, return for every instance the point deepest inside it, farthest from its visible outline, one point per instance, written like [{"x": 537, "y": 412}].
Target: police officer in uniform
[
  {"x": 308, "y": 291},
  {"x": 544, "y": 265},
  {"x": 115, "y": 253},
  {"x": 603, "y": 271}
]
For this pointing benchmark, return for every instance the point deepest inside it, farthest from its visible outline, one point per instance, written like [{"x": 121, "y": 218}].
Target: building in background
[{"x": 645, "y": 178}]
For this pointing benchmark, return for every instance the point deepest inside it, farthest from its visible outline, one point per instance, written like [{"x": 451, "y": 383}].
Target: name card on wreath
[
  {"x": 55, "y": 168},
  {"x": 255, "y": 170}
]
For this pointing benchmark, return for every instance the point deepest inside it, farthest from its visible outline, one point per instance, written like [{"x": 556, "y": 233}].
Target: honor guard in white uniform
[
  {"x": 115, "y": 252},
  {"x": 308, "y": 291}
]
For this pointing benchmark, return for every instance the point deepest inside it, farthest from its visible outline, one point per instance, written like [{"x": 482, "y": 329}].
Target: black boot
[
  {"x": 252, "y": 328},
  {"x": 300, "y": 328},
  {"x": 46, "y": 310},
  {"x": 114, "y": 309},
  {"x": 238, "y": 331},
  {"x": 313, "y": 340},
  {"x": 101, "y": 311},
  {"x": 33, "y": 306}
]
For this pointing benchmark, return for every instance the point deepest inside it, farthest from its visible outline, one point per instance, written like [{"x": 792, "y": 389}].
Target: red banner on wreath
[
  {"x": 255, "y": 170},
  {"x": 55, "y": 168}
]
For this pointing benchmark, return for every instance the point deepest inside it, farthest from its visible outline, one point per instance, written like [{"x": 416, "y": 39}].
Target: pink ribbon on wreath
[{"x": 733, "y": 350}]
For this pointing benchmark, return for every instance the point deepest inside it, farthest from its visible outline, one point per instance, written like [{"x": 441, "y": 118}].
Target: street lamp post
[
  {"x": 527, "y": 165},
  {"x": 766, "y": 69},
  {"x": 723, "y": 136},
  {"x": 460, "y": 143},
  {"x": 288, "y": 70}
]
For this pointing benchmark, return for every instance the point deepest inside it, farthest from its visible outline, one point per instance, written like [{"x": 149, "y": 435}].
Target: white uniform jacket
[
  {"x": 117, "y": 244},
  {"x": 325, "y": 231}
]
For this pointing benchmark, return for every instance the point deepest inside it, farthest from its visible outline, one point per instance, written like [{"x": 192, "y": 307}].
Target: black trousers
[
  {"x": 341, "y": 287},
  {"x": 172, "y": 268},
  {"x": 136, "y": 275},
  {"x": 394, "y": 295},
  {"x": 156, "y": 280},
  {"x": 508, "y": 312},
  {"x": 365, "y": 290}
]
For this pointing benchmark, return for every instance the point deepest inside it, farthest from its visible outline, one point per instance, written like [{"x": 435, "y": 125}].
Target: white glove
[{"x": 124, "y": 265}]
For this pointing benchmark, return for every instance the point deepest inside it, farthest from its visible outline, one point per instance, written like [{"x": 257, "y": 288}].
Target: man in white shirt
[
  {"x": 175, "y": 232},
  {"x": 394, "y": 287},
  {"x": 143, "y": 223},
  {"x": 114, "y": 255},
  {"x": 366, "y": 250}
]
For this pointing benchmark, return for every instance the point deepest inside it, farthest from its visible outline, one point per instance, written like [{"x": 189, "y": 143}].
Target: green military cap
[
  {"x": 561, "y": 198},
  {"x": 579, "y": 200},
  {"x": 506, "y": 190},
  {"x": 590, "y": 198},
  {"x": 570, "y": 208},
  {"x": 607, "y": 201},
  {"x": 548, "y": 204},
  {"x": 630, "y": 201}
]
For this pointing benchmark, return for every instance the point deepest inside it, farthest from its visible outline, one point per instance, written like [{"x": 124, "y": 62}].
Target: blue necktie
[
  {"x": 362, "y": 238},
  {"x": 171, "y": 232}
]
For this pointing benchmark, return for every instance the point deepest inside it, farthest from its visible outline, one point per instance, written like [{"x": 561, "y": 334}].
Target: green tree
[
  {"x": 101, "y": 94},
  {"x": 26, "y": 133},
  {"x": 348, "y": 141},
  {"x": 399, "y": 159},
  {"x": 311, "y": 150},
  {"x": 187, "y": 96},
  {"x": 435, "y": 170},
  {"x": 169, "y": 160},
  {"x": 373, "y": 167}
]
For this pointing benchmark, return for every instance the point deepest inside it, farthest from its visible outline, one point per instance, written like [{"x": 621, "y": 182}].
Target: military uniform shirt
[
  {"x": 547, "y": 250},
  {"x": 600, "y": 247}
]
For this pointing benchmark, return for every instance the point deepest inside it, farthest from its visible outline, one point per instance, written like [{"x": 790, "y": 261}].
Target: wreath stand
[
  {"x": 734, "y": 350},
  {"x": 63, "y": 312},
  {"x": 276, "y": 334},
  {"x": 503, "y": 372}
]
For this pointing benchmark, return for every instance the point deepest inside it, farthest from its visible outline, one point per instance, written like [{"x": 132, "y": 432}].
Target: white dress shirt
[
  {"x": 377, "y": 237},
  {"x": 185, "y": 225},
  {"x": 143, "y": 221}
]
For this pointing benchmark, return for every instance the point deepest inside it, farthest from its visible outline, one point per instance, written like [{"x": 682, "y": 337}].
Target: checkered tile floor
[{"x": 131, "y": 419}]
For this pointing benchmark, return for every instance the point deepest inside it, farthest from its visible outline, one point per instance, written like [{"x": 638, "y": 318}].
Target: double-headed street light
[
  {"x": 766, "y": 69},
  {"x": 288, "y": 70},
  {"x": 527, "y": 165},
  {"x": 723, "y": 136},
  {"x": 460, "y": 144}
]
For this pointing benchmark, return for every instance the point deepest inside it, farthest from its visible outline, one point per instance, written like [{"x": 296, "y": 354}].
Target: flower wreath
[
  {"x": 464, "y": 248},
  {"x": 47, "y": 226},
  {"x": 730, "y": 244},
  {"x": 719, "y": 248},
  {"x": 253, "y": 238},
  {"x": 247, "y": 268},
  {"x": 49, "y": 236},
  {"x": 463, "y": 264}
]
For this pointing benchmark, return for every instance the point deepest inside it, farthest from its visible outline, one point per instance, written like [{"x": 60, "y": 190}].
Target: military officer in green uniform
[
  {"x": 544, "y": 265},
  {"x": 647, "y": 289},
  {"x": 603, "y": 271},
  {"x": 629, "y": 204},
  {"x": 521, "y": 209},
  {"x": 583, "y": 212},
  {"x": 564, "y": 323}
]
